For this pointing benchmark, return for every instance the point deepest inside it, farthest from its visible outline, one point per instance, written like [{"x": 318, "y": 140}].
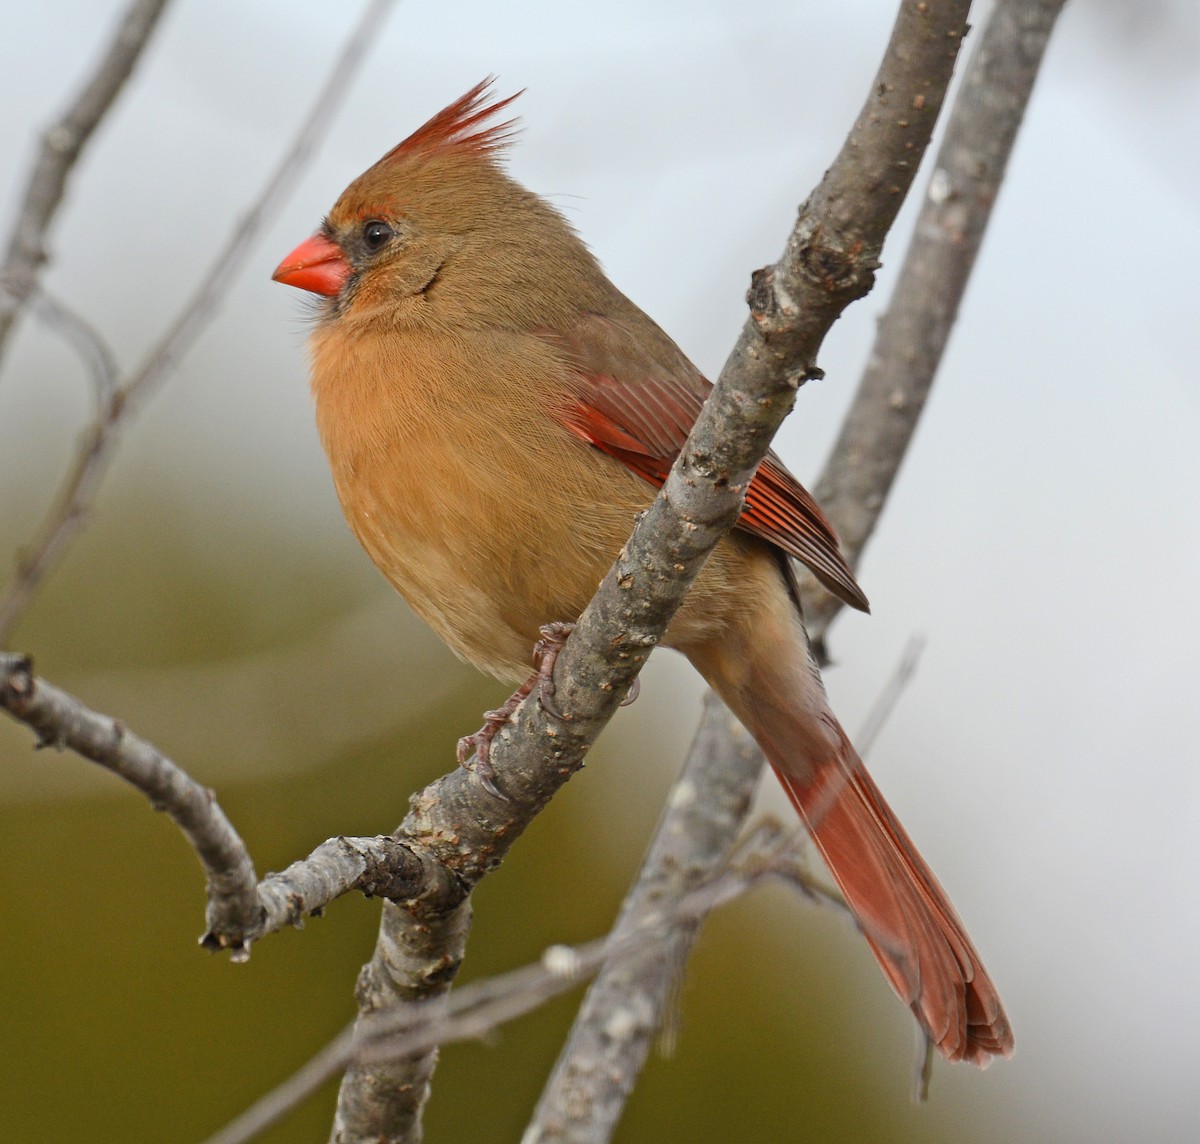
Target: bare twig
[
  {"x": 95, "y": 351},
  {"x": 199, "y": 310},
  {"x": 857, "y": 476},
  {"x": 480, "y": 1008},
  {"x": 238, "y": 912},
  {"x": 379, "y": 867},
  {"x": 69, "y": 513},
  {"x": 62, "y": 721},
  {"x": 62, "y": 144},
  {"x": 885, "y": 702}
]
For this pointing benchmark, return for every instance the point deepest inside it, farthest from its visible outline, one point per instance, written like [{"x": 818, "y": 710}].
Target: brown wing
[{"x": 637, "y": 402}]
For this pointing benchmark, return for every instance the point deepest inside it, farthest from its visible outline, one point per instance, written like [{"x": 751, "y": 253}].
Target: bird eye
[{"x": 376, "y": 234}]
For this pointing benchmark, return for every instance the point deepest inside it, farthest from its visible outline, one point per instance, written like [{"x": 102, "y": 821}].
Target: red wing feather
[
  {"x": 638, "y": 402},
  {"x": 780, "y": 509}
]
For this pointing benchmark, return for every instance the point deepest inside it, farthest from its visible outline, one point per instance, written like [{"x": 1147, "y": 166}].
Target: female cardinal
[{"x": 496, "y": 412}]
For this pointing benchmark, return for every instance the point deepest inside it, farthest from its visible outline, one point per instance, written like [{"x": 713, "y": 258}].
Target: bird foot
[
  {"x": 545, "y": 655},
  {"x": 479, "y": 745}
]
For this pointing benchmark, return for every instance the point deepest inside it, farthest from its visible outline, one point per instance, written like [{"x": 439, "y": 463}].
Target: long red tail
[
  {"x": 768, "y": 678},
  {"x": 905, "y": 915}
]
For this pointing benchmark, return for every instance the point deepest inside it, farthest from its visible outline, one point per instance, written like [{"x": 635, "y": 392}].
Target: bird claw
[
  {"x": 486, "y": 774},
  {"x": 545, "y": 655},
  {"x": 479, "y": 744}
]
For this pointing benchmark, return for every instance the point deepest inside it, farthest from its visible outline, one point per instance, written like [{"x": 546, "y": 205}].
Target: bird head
[{"x": 436, "y": 232}]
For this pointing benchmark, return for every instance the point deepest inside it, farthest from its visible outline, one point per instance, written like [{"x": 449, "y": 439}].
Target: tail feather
[
  {"x": 764, "y": 671},
  {"x": 905, "y": 915}
]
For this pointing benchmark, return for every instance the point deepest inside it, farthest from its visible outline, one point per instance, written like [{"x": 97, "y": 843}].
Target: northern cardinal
[{"x": 496, "y": 412}]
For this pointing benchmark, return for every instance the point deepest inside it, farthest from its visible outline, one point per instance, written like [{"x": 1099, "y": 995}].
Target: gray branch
[
  {"x": 69, "y": 513},
  {"x": 478, "y": 1009},
  {"x": 628, "y": 1002},
  {"x": 595, "y": 1072},
  {"x": 239, "y": 911},
  {"x": 382, "y": 1097},
  {"x": 913, "y": 333},
  {"x": 60, "y": 721},
  {"x": 62, "y": 144},
  {"x": 93, "y": 350},
  {"x": 885, "y": 702}
]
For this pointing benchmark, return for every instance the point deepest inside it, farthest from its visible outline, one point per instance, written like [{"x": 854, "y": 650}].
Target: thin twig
[
  {"x": 885, "y": 701},
  {"x": 68, "y": 514},
  {"x": 96, "y": 353},
  {"x": 62, "y": 144},
  {"x": 60, "y": 720},
  {"x": 238, "y": 911},
  {"x": 480, "y": 1008},
  {"x": 199, "y": 310}
]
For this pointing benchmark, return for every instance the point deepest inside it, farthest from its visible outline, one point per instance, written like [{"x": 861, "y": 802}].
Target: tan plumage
[{"x": 496, "y": 412}]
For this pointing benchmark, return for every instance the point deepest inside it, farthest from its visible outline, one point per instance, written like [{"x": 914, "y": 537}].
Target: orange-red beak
[{"x": 317, "y": 265}]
